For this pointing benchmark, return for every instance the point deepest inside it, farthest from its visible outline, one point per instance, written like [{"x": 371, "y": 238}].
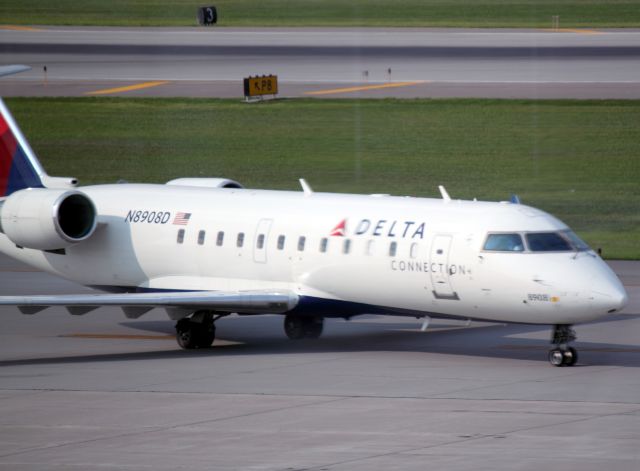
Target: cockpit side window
[
  {"x": 576, "y": 241},
  {"x": 548, "y": 242},
  {"x": 504, "y": 243}
]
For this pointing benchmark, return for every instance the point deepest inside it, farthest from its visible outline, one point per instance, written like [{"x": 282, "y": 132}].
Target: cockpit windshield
[
  {"x": 548, "y": 242},
  {"x": 563, "y": 241},
  {"x": 504, "y": 243}
]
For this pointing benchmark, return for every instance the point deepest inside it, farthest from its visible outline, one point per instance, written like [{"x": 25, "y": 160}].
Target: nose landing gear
[{"x": 562, "y": 354}]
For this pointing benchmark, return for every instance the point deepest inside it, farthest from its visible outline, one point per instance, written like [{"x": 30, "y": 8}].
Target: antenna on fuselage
[
  {"x": 443, "y": 192},
  {"x": 515, "y": 199},
  {"x": 305, "y": 187}
]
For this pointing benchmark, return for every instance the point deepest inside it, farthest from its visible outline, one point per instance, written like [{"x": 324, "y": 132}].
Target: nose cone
[{"x": 609, "y": 295}]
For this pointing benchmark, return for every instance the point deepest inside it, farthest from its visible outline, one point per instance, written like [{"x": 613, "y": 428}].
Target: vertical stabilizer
[{"x": 19, "y": 166}]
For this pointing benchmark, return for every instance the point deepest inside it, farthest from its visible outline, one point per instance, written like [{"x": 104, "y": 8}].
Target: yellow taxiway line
[
  {"x": 128, "y": 88},
  {"x": 574, "y": 30},
  {"x": 366, "y": 87},
  {"x": 19, "y": 28},
  {"x": 120, "y": 336},
  {"x": 620, "y": 349}
]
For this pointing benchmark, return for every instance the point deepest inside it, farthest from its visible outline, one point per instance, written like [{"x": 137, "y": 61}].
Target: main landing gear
[
  {"x": 197, "y": 331},
  {"x": 562, "y": 354},
  {"x": 301, "y": 327}
]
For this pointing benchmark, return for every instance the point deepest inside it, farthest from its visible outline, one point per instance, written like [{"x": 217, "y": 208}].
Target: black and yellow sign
[{"x": 258, "y": 86}]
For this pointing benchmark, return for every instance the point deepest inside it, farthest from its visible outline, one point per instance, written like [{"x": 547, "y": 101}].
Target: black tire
[
  {"x": 190, "y": 335},
  {"x": 570, "y": 356},
  {"x": 206, "y": 336},
  {"x": 185, "y": 334},
  {"x": 556, "y": 357},
  {"x": 313, "y": 328},
  {"x": 294, "y": 327}
]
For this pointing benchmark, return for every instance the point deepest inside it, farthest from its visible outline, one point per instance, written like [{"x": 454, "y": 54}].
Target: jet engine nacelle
[{"x": 47, "y": 219}]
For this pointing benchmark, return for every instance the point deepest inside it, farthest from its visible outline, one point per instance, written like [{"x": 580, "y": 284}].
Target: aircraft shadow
[{"x": 263, "y": 336}]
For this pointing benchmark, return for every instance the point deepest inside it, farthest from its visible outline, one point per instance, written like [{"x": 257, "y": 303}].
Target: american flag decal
[{"x": 181, "y": 219}]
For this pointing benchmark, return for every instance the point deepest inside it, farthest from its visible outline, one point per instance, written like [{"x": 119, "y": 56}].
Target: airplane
[
  {"x": 13, "y": 69},
  {"x": 205, "y": 248}
]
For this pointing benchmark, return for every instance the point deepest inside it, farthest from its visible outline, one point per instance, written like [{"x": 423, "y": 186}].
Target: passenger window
[
  {"x": 240, "y": 240},
  {"x": 504, "y": 243},
  {"x": 547, "y": 242},
  {"x": 301, "y": 242},
  {"x": 180, "y": 236},
  {"x": 413, "y": 251},
  {"x": 260, "y": 241},
  {"x": 220, "y": 238},
  {"x": 371, "y": 245},
  {"x": 280, "y": 242},
  {"x": 201, "y": 235},
  {"x": 346, "y": 246},
  {"x": 324, "y": 242},
  {"x": 393, "y": 248}
]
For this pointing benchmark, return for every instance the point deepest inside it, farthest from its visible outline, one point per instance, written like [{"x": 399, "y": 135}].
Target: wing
[{"x": 177, "y": 303}]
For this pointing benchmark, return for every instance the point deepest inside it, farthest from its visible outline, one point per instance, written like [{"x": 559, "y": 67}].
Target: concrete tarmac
[
  {"x": 103, "y": 392},
  {"x": 390, "y": 62}
]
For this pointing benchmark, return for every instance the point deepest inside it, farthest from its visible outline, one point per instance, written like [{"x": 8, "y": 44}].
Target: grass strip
[
  {"x": 579, "y": 160},
  {"x": 416, "y": 13}
]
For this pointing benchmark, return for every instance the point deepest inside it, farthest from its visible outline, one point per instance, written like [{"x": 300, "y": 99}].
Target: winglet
[
  {"x": 443, "y": 192},
  {"x": 305, "y": 187}
]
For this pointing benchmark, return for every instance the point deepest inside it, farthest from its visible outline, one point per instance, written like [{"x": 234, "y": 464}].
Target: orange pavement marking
[
  {"x": 128, "y": 88},
  {"x": 365, "y": 87}
]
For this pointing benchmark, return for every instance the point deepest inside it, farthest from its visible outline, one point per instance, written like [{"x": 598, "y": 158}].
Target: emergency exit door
[{"x": 260, "y": 242}]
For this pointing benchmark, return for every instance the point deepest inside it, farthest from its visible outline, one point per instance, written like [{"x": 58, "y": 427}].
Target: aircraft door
[
  {"x": 439, "y": 268},
  {"x": 261, "y": 240}
]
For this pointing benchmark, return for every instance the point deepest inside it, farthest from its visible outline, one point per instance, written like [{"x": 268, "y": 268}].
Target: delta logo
[
  {"x": 340, "y": 229},
  {"x": 382, "y": 228}
]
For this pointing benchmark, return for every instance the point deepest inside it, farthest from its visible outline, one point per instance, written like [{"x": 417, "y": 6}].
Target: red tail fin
[{"x": 19, "y": 167}]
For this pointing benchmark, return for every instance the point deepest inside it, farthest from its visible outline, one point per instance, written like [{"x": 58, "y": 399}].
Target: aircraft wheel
[
  {"x": 185, "y": 334},
  {"x": 556, "y": 357},
  {"x": 294, "y": 327},
  {"x": 313, "y": 327},
  {"x": 300, "y": 327},
  {"x": 570, "y": 356},
  {"x": 190, "y": 334}
]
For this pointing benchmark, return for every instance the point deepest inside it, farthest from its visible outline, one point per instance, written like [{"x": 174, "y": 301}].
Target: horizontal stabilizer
[{"x": 13, "y": 69}]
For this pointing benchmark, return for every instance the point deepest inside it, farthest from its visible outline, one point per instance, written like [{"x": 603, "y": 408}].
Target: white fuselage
[{"x": 396, "y": 255}]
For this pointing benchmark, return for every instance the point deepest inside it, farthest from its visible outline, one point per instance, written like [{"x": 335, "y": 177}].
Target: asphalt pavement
[
  {"x": 324, "y": 62},
  {"x": 103, "y": 392}
]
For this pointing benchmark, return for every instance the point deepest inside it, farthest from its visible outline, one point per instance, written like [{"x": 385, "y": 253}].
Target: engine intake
[{"x": 48, "y": 219}]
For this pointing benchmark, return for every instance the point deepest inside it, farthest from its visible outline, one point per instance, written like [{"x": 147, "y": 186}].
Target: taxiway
[
  {"x": 323, "y": 62},
  {"x": 103, "y": 392}
]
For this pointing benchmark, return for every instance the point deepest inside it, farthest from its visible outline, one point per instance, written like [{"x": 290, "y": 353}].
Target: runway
[
  {"x": 103, "y": 392},
  {"x": 324, "y": 63}
]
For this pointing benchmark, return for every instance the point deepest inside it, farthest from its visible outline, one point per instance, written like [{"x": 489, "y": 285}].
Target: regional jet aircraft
[{"x": 203, "y": 248}]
